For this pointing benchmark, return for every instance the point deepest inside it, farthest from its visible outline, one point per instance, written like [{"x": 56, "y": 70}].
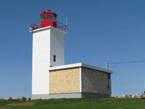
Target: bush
[
  {"x": 23, "y": 98},
  {"x": 10, "y": 99},
  {"x": 28, "y": 99}
]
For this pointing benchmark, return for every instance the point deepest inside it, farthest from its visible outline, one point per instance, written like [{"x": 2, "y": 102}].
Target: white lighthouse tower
[{"x": 47, "y": 51}]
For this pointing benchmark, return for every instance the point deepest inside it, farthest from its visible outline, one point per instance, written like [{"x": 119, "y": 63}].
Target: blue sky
[{"x": 98, "y": 31}]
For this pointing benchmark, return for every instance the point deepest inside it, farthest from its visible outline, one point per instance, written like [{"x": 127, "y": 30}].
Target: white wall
[
  {"x": 40, "y": 62},
  {"x": 47, "y": 42},
  {"x": 57, "y": 48}
]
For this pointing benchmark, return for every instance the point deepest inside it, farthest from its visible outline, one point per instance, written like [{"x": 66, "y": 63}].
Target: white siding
[
  {"x": 40, "y": 62},
  {"x": 47, "y": 42},
  {"x": 57, "y": 48}
]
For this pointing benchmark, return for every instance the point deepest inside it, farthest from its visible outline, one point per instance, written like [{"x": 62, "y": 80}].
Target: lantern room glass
[{"x": 44, "y": 18}]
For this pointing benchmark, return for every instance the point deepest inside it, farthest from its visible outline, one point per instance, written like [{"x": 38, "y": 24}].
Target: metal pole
[
  {"x": 107, "y": 65},
  {"x": 144, "y": 85},
  {"x": 66, "y": 20}
]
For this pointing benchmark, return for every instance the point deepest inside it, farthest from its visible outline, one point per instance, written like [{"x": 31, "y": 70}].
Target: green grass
[{"x": 102, "y": 103}]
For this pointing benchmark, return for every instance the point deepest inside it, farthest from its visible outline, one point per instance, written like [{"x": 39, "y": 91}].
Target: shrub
[
  {"x": 28, "y": 99},
  {"x": 23, "y": 98},
  {"x": 10, "y": 99}
]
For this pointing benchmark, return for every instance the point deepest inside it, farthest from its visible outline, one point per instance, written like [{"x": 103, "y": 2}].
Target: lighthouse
[
  {"x": 51, "y": 78},
  {"x": 47, "y": 50}
]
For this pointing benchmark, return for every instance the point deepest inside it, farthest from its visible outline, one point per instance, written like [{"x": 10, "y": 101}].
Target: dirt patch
[{"x": 21, "y": 104}]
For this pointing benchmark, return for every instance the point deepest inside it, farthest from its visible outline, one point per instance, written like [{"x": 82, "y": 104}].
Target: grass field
[{"x": 102, "y": 103}]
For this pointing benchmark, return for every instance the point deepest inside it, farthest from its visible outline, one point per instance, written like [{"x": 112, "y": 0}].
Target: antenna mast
[
  {"x": 107, "y": 65},
  {"x": 66, "y": 20}
]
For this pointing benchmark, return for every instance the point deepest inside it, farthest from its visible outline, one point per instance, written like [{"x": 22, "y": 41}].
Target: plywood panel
[{"x": 64, "y": 81}]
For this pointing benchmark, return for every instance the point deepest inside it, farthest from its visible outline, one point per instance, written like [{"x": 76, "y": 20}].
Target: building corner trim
[{"x": 80, "y": 79}]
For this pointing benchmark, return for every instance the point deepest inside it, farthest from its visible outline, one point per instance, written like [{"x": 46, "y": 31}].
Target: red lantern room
[{"x": 48, "y": 19}]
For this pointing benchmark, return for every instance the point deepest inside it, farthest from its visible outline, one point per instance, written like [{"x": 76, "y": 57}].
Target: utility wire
[
  {"x": 126, "y": 62},
  {"x": 108, "y": 63}
]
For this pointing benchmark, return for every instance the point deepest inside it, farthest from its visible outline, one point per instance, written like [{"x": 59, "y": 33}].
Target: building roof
[{"x": 78, "y": 65}]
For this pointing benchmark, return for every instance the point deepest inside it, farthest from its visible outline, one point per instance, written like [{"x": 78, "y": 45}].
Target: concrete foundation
[{"x": 72, "y": 95}]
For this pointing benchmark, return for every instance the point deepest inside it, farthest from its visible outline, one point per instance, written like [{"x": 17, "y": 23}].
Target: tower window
[
  {"x": 54, "y": 18},
  {"x": 44, "y": 18},
  {"x": 49, "y": 17},
  {"x": 54, "y": 58}
]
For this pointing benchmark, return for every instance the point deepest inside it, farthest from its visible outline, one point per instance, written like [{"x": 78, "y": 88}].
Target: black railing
[{"x": 36, "y": 25}]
